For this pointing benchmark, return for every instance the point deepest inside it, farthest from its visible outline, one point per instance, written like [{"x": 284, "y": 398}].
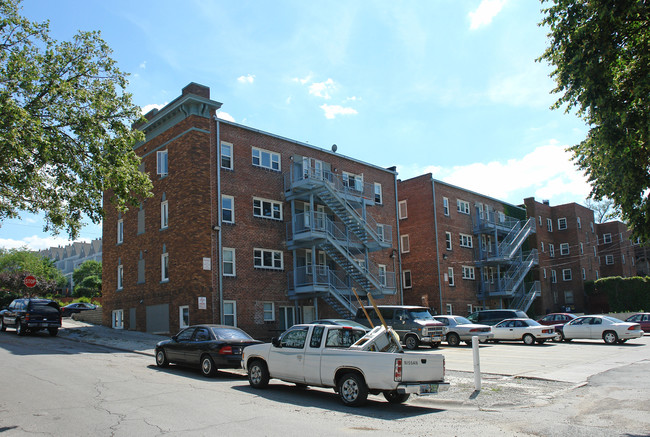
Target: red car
[
  {"x": 642, "y": 319},
  {"x": 558, "y": 320}
]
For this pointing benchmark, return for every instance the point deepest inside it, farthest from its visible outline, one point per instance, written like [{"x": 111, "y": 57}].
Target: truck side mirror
[{"x": 276, "y": 342}]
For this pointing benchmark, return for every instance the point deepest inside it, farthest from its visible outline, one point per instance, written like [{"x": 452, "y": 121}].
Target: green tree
[
  {"x": 17, "y": 264},
  {"x": 65, "y": 126},
  {"x": 600, "y": 51},
  {"x": 88, "y": 279}
]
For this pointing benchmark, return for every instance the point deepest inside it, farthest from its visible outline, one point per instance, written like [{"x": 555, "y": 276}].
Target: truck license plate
[{"x": 428, "y": 388}]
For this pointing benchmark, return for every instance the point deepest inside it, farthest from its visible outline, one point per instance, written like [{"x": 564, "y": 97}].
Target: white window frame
[
  {"x": 466, "y": 240},
  {"x": 229, "y": 155},
  {"x": 268, "y": 314},
  {"x": 568, "y": 297},
  {"x": 607, "y": 238},
  {"x": 382, "y": 274},
  {"x": 445, "y": 206},
  {"x": 450, "y": 277},
  {"x": 448, "y": 243},
  {"x": 353, "y": 181},
  {"x": 117, "y": 319},
  {"x": 540, "y": 220},
  {"x": 232, "y": 314},
  {"x": 120, "y": 277},
  {"x": 542, "y": 243},
  {"x": 582, "y": 249},
  {"x": 553, "y": 277},
  {"x": 276, "y": 255},
  {"x": 584, "y": 274},
  {"x": 231, "y": 209},
  {"x": 275, "y": 163},
  {"x": 407, "y": 283},
  {"x": 549, "y": 225},
  {"x": 462, "y": 206},
  {"x": 609, "y": 260},
  {"x": 469, "y": 273},
  {"x": 561, "y": 223},
  {"x": 402, "y": 209},
  {"x": 162, "y": 163},
  {"x": 275, "y": 207},
  {"x": 164, "y": 214},
  {"x": 551, "y": 250},
  {"x": 579, "y": 223},
  {"x": 164, "y": 267},
  {"x": 450, "y": 309},
  {"x": 120, "y": 231},
  {"x": 405, "y": 243},
  {"x": 181, "y": 310},
  {"x": 379, "y": 197},
  {"x": 224, "y": 262},
  {"x": 564, "y": 248},
  {"x": 567, "y": 275}
]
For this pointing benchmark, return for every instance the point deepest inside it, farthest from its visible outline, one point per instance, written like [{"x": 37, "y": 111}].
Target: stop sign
[{"x": 30, "y": 281}]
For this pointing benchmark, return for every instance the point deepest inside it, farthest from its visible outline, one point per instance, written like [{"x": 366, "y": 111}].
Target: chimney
[
  {"x": 197, "y": 89},
  {"x": 546, "y": 202}
]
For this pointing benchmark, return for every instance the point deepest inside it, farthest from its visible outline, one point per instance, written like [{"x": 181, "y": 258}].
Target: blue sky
[{"x": 442, "y": 86}]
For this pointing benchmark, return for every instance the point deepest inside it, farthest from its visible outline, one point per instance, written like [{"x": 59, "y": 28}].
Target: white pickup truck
[{"x": 351, "y": 361}]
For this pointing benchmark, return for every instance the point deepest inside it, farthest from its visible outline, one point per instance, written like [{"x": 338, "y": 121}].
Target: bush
[
  {"x": 623, "y": 294},
  {"x": 91, "y": 286},
  {"x": 7, "y": 296}
]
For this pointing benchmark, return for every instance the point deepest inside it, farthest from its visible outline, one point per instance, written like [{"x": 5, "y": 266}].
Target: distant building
[
  {"x": 68, "y": 258},
  {"x": 616, "y": 252}
]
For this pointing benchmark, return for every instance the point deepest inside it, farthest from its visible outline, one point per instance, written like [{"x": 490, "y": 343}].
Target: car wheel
[
  {"x": 529, "y": 339},
  {"x": 301, "y": 386},
  {"x": 541, "y": 341},
  {"x": 3, "y": 328},
  {"x": 258, "y": 374},
  {"x": 353, "y": 389},
  {"x": 20, "y": 328},
  {"x": 53, "y": 331},
  {"x": 559, "y": 337},
  {"x": 411, "y": 342},
  {"x": 610, "y": 337},
  {"x": 396, "y": 398},
  {"x": 207, "y": 366},
  {"x": 453, "y": 339},
  {"x": 161, "y": 358}
]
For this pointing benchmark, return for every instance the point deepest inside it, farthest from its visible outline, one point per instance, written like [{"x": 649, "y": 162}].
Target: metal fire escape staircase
[{"x": 347, "y": 242}]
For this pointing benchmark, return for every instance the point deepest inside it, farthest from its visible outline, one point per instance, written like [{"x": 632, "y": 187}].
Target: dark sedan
[
  {"x": 76, "y": 307},
  {"x": 642, "y": 319},
  {"x": 209, "y": 347}
]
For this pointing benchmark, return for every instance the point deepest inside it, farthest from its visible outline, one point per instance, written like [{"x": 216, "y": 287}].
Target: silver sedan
[
  {"x": 610, "y": 329},
  {"x": 460, "y": 329}
]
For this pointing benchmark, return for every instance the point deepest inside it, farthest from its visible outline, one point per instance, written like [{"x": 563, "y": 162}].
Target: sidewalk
[{"x": 130, "y": 341}]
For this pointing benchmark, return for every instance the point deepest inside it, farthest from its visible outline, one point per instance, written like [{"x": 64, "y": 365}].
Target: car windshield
[
  {"x": 230, "y": 334},
  {"x": 421, "y": 315},
  {"x": 462, "y": 321},
  {"x": 613, "y": 319}
]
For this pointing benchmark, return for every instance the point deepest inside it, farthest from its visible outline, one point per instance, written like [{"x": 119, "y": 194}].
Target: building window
[
  {"x": 448, "y": 240},
  {"x": 164, "y": 214},
  {"x": 462, "y": 206},
  {"x": 406, "y": 279},
  {"x": 468, "y": 273},
  {"x": 269, "y": 311},
  {"x": 542, "y": 243},
  {"x": 584, "y": 274},
  {"x": 287, "y": 317},
  {"x": 568, "y": 297},
  {"x": 403, "y": 213},
  {"x": 265, "y": 159},
  {"x": 551, "y": 250},
  {"x": 561, "y": 223},
  {"x": 162, "y": 163},
  {"x": 553, "y": 277},
  {"x": 566, "y": 274},
  {"x": 164, "y": 267},
  {"x": 450, "y": 309},
  {"x": 466, "y": 240},
  {"x": 607, "y": 238},
  {"x": 564, "y": 248},
  {"x": 378, "y": 195},
  {"x": 141, "y": 270},
  {"x": 118, "y": 319},
  {"x": 544, "y": 273},
  {"x": 595, "y": 254},
  {"x": 582, "y": 249},
  {"x": 267, "y": 209},
  {"x": 622, "y": 258},
  {"x": 228, "y": 261},
  {"x": 230, "y": 312},
  {"x": 540, "y": 220},
  {"x": 591, "y": 225},
  {"x": 450, "y": 276},
  {"x": 120, "y": 277},
  {"x": 549, "y": 225},
  {"x": 120, "y": 231},
  {"x": 141, "y": 219},
  {"x": 445, "y": 206},
  {"x": 382, "y": 274},
  {"x": 609, "y": 259},
  {"x": 579, "y": 223},
  {"x": 227, "y": 209},
  {"x": 353, "y": 181},
  {"x": 226, "y": 156},
  {"x": 406, "y": 247},
  {"x": 268, "y": 259},
  {"x": 184, "y": 316}
]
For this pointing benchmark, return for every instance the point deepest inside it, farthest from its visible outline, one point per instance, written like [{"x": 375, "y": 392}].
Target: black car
[
  {"x": 77, "y": 307},
  {"x": 31, "y": 314},
  {"x": 209, "y": 347}
]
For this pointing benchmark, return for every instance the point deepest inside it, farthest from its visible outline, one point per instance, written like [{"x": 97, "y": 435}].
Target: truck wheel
[
  {"x": 207, "y": 366},
  {"x": 396, "y": 398},
  {"x": 353, "y": 389},
  {"x": 20, "y": 328},
  {"x": 258, "y": 374},
  {"x": 411, "y": 342},
  {"x": 435, "y": 345},
  {"x": 53, "y": 331},
  {"x": 453, "y": 339},
  {"x": 610, "y": 337},
  {"x": 529, "y": 339}
]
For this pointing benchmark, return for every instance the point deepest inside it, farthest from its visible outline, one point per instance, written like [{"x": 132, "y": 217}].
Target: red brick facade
[{"x": 615, "y": 250}]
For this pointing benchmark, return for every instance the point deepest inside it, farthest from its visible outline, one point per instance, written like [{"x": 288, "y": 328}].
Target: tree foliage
[
  {"x": 88, "y": 279},
  {"x": 600, "y": 51},
  {"x": 17, "y": 264},
  {"x": 65, "y": 126}
]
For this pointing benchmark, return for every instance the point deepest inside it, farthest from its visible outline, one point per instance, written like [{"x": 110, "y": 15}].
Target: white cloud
[
  {"x": 322, "y": 89},
  {"x": 303, "y": 80},
  {"x": 148, "y": 108},
  {"x": 486, "y": 11},
  {"x": 225, "y": 116},
  {"x": 246, "y": 79},
  {"x": 545, "y": 173},
  {"x": 331, "y": 111},
  {"x": 143, "y": 65},
  {"x": 37, "y": 243}
]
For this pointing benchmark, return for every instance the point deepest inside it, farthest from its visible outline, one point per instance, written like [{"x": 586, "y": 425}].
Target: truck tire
[
  {"x": 411, "y": 342},
  {"x": 258, "y": 374},
  {"x": 353, "y": 389},
  {"x": 396, "y": 398},
  {"x": 20, "y": 328}
]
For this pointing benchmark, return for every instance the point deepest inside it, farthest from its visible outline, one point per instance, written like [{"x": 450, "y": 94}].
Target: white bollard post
[{"x": 477, "y": 364}]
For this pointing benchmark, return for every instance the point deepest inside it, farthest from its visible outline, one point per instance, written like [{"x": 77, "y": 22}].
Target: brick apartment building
[
  {"x": 616, "y": 255},
  {"x": 463, "y": 251},
  {"x": 245, "y": 228}
]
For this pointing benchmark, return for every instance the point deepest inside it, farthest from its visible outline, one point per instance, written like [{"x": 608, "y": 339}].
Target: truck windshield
[{"x": 421, "y": 315}]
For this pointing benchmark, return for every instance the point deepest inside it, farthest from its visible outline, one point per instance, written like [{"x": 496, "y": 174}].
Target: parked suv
[
  {"x": 32, "y": 315},
  {"x": 414, "y": 324},
  {"x": 492, "y": 317}
]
